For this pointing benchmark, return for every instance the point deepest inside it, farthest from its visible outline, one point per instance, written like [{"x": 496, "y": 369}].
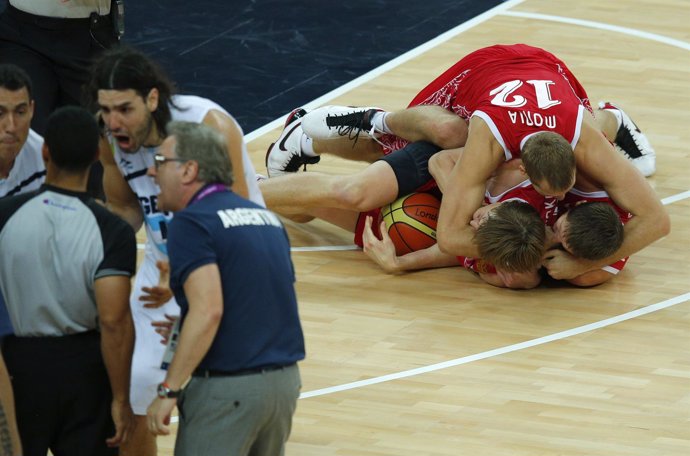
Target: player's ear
[
  {"x": 191, "y": 171},
  {"x": 152, "y": 99},
  {"x": 522, "y": 169},
  {"x": 45, "y": 153}
]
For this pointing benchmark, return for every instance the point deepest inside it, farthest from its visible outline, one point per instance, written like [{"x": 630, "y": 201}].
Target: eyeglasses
[{"x": 159, "y": 159}]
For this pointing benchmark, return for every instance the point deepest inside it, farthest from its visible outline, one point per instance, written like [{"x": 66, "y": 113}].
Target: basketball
[{"x": 411, "y": 222}]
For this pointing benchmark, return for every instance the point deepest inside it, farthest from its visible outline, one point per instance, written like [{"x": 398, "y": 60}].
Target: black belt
[
  {"x": 206, "y": 373},
  {"x": 51, "y": 23}
]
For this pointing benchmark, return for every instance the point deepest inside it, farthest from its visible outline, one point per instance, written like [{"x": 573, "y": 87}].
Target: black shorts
[{"x": 411, "y": 166}]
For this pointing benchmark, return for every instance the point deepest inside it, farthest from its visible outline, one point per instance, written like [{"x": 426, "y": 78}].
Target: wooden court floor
[{"x": 438, "y": 363}]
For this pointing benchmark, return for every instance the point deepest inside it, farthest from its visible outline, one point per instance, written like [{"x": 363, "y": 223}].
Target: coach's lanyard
[{"x": 208, "y": 190}]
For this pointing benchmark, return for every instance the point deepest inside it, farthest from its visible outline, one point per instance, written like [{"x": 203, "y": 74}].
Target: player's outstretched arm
[
  {"x": 465, "y": 189},
  {"x": 626, "y": 186}
]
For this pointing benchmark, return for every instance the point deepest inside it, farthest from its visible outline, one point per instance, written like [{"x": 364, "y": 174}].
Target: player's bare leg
[
  {"x": 368, "y": 189},
  {"x": 420, "y": 123},
  {"x": 429, "y": 123},
  {"x": 366, "y": 150}
]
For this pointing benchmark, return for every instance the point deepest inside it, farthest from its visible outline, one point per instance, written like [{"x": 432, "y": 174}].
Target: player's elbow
[
  {"x": 114, "y": 322},
  {"x": 445, "y": 243}
]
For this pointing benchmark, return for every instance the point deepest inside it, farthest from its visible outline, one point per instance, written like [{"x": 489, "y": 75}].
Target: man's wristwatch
[{"x": 164, "y": 391}]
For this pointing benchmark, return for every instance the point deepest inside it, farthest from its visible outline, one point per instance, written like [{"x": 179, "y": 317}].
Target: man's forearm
[
  {"x": 428, "y": 258},
  {"x": 130, "y": 214},
  {"x": 117, "y": 343},
  {"x": 638, "y": 234},
  {"x": 198, "y": 331}
]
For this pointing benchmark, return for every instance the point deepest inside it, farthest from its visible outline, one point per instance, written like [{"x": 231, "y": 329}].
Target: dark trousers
[
  {"x": 62, "y": 394},
  {"x": 56, "y": 53}
]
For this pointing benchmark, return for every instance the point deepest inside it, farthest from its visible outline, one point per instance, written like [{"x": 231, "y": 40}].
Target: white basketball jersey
[
  {"x": 28, "y": 171},
  {"x": 187, "y": 108}
]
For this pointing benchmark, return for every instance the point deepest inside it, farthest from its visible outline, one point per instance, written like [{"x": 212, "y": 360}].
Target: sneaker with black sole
[
  {"x": 332, "y": 122},
  {"x": 632, "y": 143},
  {"x": 285, "y": 155}
]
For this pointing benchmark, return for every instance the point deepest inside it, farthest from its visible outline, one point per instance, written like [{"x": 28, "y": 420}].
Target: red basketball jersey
[
  {"x": 518, "y": 90},
  {"x": 575, "y": 197},
  {"x": 525, "y": 192}
]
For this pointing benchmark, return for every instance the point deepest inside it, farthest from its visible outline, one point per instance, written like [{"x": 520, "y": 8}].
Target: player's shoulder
[{"x": 107, "y": 220}]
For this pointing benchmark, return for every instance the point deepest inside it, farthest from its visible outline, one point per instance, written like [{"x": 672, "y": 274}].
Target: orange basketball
[{"x": 411, "y": 222}]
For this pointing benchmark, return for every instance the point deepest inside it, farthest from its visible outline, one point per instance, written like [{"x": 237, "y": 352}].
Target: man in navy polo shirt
[{"x": 233, "y": 278}]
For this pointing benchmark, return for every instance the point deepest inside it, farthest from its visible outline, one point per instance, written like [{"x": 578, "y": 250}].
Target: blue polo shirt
[{"x": 260, "y": 324}]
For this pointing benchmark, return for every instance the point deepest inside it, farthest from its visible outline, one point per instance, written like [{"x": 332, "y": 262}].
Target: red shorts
[{"x": 359, "y": 228}]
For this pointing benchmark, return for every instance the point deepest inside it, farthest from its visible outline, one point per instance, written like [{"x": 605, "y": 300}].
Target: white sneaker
[
  {"x": 285, "y": 155},
  {"x": 632, "y": 143},
  {"x": 331, "y": 122}
]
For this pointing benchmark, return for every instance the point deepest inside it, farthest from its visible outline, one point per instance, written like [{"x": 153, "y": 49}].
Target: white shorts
[{"x": 148, "y": 350}]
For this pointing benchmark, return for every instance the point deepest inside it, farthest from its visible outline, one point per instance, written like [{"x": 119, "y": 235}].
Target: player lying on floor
[
  {"x": 494, "y": 102},
  {"x": 517, "y": 252},
  {"x": 576, "y": 226}
]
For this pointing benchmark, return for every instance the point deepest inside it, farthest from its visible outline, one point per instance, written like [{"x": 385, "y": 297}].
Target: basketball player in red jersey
[
  {"x": 592, "y": 231},
  {"x": 518, "y": 254},
  {"x": 574, "y": 231},
  {"x": 493, "y": 101}
]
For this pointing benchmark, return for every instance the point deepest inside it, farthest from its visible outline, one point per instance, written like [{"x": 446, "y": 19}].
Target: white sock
[
  {"x": 307, "y": 146},
  {"x": 619, "y": 116},
  {"x": 378, "y": 121}
]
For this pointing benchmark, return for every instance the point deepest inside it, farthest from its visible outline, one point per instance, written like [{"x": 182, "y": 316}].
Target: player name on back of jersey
[
  {"x": 248, "y": 216},
  {"x": 532, "y": 119}
]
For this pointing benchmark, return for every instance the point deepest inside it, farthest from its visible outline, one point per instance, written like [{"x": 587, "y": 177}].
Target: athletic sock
[
  {"x": 307, "y": 146},
  {"x": 619, "y": 116},
  {"x": 378, "y": 121}
]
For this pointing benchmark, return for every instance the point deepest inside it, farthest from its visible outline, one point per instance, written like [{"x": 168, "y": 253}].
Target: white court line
[
  {"x": 502, "y": 350},
  {"x": 389, "y": 65},
  {"x": 676, "y": 198},
  {"x": 333, "y": 248},
  {"x": 496, "y": 352},
  {"x": 602, "y": 26}
]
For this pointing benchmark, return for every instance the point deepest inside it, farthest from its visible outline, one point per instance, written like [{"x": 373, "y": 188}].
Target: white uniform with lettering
[
  {"x": 28, "y": 171},
  {"x": 148, "y": 351}
]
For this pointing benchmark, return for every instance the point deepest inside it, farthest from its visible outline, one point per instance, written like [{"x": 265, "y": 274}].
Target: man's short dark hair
[
  {"x": 594, "y": 230},
  {"x": 72, "y": 137},
  {"x": 14, "y": 78}
]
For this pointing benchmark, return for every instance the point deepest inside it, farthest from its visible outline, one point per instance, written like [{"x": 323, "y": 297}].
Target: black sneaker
[{"x": 632, "y": 143}]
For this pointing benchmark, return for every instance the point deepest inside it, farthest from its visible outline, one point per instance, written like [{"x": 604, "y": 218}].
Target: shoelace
[{"x": 350, "y": 125}]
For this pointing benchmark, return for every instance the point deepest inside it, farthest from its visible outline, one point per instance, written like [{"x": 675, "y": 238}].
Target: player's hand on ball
[{"x": 381, "y": 251}]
